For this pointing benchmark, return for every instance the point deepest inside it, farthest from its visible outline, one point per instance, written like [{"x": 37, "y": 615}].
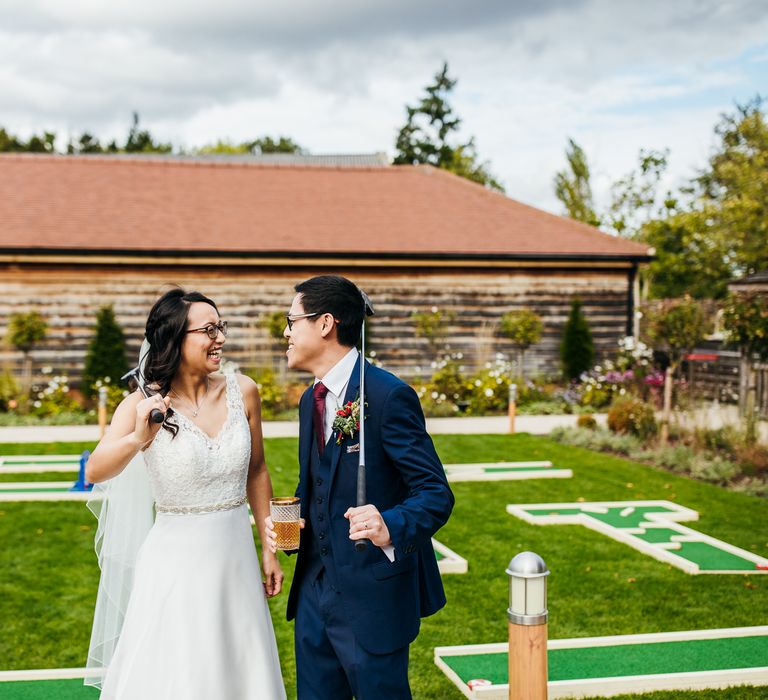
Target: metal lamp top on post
[{"x": 527, "y": 589}]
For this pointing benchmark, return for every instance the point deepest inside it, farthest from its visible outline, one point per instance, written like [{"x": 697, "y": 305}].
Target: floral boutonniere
[{"x": 347, "y": 420}]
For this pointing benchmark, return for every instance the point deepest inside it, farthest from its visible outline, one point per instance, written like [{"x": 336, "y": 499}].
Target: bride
[{"x": 188, "y": 618}]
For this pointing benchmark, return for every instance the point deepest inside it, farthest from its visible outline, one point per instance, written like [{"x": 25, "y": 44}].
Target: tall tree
[
  {"x": 572, "y": 186},
  {"x": 428, "y": 135},
  {"x": 689, "y": 257},
  {"x": 735, "y": 186},
  {"x": 577, "y": 349},
  {"x": 635, "y": 198},
  {"x": 25, "y": 330},
  {"x": 745, "y": 321},
  {"x": 677, "y": 327},
  {"x": 141, "y": 141},
  {"x": 106, "y": 352},
  {"x": 87, "y": 143},
  {"x": 721, "y": 230}
]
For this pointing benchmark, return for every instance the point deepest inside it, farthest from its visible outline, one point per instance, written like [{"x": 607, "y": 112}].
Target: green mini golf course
[
  {"x": 632, "y": 663},
  {"x": 448, "y": 562},
  {"x": 505, "y": 471},
  {"x": 653, "y": 528},
  {"x": 55, "y": 689}
]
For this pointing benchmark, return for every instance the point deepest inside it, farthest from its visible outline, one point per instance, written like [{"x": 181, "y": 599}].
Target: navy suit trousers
[{"x": 330, "y": 664}]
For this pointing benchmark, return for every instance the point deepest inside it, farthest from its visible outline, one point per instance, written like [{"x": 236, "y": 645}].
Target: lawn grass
[{"x": 48, "y": 573}]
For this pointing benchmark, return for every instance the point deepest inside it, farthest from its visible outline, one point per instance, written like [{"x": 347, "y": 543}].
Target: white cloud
[{"x": 336, "y": 75}]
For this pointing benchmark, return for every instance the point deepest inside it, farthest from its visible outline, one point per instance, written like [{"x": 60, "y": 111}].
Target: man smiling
[{"x": 357, "y": 612}]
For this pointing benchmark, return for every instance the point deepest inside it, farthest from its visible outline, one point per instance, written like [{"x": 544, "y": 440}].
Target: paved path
[{"x": 537, "y": 425}]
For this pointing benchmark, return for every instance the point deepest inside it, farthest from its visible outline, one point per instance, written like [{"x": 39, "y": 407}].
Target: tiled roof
[{"x": 50, "y": 203}]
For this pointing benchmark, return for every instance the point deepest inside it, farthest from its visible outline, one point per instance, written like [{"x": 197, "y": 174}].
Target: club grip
[
  {"x": 156, "y": 416},
  {"x": 361, "y": 498}
]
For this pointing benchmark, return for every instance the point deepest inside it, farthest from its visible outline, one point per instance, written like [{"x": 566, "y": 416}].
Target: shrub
[
  {"x": 752, "y": 458},
  {"x": 448, "y": 381},
  {"x": 488, "y": 389},
  {"x": 9, "y": 390},
  {"x": 724, "y": 439},
  {"x": 544, "y": 408},
  {"x": 598, "y": 439},
  {"x": 106, "y": 353},
  {"x": 274, "y": 323},
  {"x": 713, "y": 468},
  {"x": 434, "y": 405},
  {"x": 433, "y": 326},
  {"x": 586, "y": 420},
  {"x": 53, "y": 398},
  {"x": 524, "y": 328},
  {"x": 678, "y": 459},
  {"x": 115, "y": 392},
  {"x": 273, "y": 394},
  {"x": 632, "y": 416},
  {"x": 577, "y": 350}
]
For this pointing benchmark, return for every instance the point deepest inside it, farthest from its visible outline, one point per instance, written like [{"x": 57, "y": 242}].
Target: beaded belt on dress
[{"x": 184, "y": 510}]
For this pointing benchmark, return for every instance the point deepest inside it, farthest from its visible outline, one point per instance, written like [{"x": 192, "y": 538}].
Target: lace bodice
[{"x": 197, "y": 472}]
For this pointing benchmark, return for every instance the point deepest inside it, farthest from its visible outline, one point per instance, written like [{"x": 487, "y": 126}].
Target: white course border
[
  {"x": 451, "y": 563},
  {"x": 34, "y": 491},
  {"x": 18, "y": 464},
  {"x": 49, "y": 674},
  {"x": 660, "y": 551},
  {"x": 517, "y": 470},
  {"x": 617, "y": 685}
]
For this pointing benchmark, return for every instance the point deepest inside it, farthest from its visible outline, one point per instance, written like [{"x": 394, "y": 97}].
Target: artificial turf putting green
[
  {"x": 69, "y": 689},
  {"x": 501, "y": 471},
  {"x": 654, "y": 658},
  {"x": 48, "y": 571},
  {"x": 651, "y": 527}
]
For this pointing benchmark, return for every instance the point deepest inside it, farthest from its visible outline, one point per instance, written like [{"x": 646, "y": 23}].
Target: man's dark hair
[{"x": 335, "y": 295}]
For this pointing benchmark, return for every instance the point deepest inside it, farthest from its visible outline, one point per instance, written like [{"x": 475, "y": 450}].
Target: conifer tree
[
  {"x": 577, "y": 350},
  {"x": 106, "y": 353}
]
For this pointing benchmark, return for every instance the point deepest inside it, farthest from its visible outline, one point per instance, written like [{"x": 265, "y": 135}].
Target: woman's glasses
[{"x": 212, "y": 330}]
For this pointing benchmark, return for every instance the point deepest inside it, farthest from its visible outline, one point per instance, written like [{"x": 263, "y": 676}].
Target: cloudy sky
[{"x": 334, "y": 75}]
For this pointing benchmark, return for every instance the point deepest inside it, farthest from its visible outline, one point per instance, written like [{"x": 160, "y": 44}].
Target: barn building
[{"x": 78, "y": 232}]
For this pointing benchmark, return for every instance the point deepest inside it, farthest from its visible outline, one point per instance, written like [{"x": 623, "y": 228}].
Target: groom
[{"x": 357, "y": 612}]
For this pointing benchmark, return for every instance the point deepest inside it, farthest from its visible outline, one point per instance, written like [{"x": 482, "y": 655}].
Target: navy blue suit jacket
[{"x": 383, "y": 600}]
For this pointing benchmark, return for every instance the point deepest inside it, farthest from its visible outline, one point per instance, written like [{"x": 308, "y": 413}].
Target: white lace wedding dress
[{"x": 197, "y": 626}]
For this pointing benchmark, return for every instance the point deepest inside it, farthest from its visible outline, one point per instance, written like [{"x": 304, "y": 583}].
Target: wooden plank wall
[{"x": 69, "y": 298}]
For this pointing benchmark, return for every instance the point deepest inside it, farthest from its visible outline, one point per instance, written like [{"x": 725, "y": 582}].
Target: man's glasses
[
  {"x": 297, "y": 317},
  {"x": 212, "y": 330}
]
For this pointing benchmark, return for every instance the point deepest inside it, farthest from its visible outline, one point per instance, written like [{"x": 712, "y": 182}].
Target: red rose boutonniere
[{"x": 347, "y": 420}]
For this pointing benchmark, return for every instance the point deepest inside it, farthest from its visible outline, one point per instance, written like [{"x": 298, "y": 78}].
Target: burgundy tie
[{"x": 318, "y": 415}]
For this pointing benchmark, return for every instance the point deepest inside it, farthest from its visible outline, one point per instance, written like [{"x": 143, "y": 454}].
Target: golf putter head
[{"x": 368, "y": 306}]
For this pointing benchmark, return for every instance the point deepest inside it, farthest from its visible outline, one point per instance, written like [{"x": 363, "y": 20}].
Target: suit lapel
[{"x": 353, "y": 387}]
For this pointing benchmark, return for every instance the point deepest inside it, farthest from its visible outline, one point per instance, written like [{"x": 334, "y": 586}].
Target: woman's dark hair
[
  {"x": 338, "y": 296},
  {"x": 165, "y": 332}
]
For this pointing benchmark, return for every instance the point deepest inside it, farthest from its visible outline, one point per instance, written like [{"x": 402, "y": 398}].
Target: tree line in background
[
  {"x": 429, "y": 136},
  {"x": 140, "y": 140},
  {"x": 714, "y": 229}
]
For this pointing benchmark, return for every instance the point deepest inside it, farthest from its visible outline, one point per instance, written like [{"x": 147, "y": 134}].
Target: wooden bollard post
[
  {"x": 512, "y": 409},
  {"x": 527, "y": 616},
  {"x": 102, "y": 411}
]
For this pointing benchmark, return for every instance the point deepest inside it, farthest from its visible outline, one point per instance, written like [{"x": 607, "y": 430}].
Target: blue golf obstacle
[{"x": 81, "y": 484}]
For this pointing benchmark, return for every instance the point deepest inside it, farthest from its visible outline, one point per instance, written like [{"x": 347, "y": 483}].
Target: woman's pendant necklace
[{"x": 197, "y": 406}]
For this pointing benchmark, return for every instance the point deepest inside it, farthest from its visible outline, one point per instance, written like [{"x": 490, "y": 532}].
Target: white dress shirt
[{"x": 336, "y": 381}]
